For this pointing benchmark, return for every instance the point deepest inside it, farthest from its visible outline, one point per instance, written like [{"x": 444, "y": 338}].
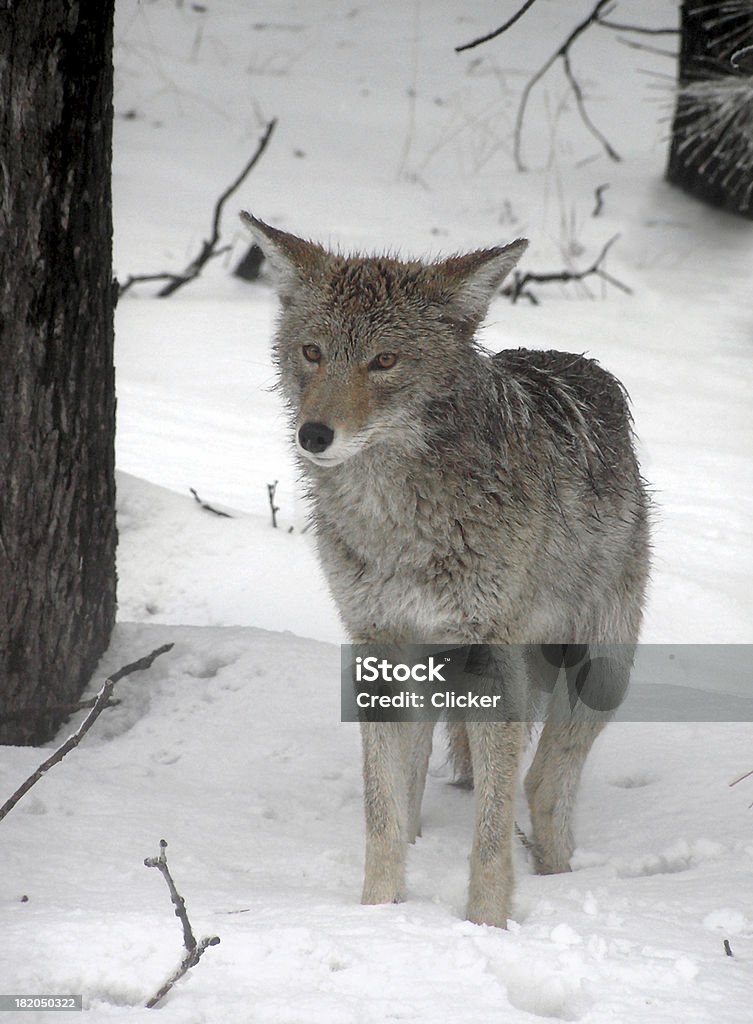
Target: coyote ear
[
  {"x": 473, "y": 279},
  {"x": 291, "y": 258}
]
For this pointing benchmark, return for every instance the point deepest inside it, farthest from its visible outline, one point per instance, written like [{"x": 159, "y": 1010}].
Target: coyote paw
[
  {"x": 486, "y": 912},
  {"x": 374, "y": 895},
  {"x": 550, "y": 862}
]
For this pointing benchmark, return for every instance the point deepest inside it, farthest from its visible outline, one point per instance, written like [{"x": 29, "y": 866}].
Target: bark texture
[
  {"x": 57, "y": 396},
  {"x": 711, "y": 150}
]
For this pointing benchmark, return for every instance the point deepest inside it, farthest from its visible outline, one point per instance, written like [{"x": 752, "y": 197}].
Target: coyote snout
[
  {"x": 325, "y": 446},
  {"x": 315, "y": 438},
  {"x": 461, "y": 498}
]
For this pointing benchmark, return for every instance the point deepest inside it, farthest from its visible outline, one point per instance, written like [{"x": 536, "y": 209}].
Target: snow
[{"x": 231, "y": 746}]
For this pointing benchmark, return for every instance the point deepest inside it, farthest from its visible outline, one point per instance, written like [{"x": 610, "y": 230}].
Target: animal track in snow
[
  {"x": 543, "y": 994},
  {"x": 681, "y": 856},
  {"x": 208, "y": 666},
  {"x": 635, "y": 781}
]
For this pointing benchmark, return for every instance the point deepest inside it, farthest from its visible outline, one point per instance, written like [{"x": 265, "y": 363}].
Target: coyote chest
[{"x": 398, "y": 558}]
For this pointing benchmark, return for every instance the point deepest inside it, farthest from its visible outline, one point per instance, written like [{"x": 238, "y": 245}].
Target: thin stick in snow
[
  {"x": 101, "y": 702},
  {"x": 209, "y": 508},
  {"x": 747, "y": 775},
  {"x": 271, "y": 489},
  {"x": 194, "y": 950}
]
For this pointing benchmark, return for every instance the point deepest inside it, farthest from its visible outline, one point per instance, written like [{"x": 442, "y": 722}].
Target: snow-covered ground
[{"x": 231, "y": 747}]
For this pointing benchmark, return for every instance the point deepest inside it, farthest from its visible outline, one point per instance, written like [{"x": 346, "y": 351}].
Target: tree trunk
[
  {"x": 57, "y": 399},
  {"x": 711, "y": 152}
]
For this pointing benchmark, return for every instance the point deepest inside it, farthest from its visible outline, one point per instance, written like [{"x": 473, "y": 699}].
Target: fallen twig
[
  {"x": 519, "y": 287},
  {"x": 209, "y": 249},
  {"x": 194, "y": 949},
  {"x": 747, "y": 775},
  {"x": 100, "y": 703},
  {"x": 209, "y": 508}
]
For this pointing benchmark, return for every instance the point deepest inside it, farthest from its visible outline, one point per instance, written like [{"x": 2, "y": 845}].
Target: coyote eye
[
  {"x": 313, "y": 353},
  {"x": 384, "y": 361}
]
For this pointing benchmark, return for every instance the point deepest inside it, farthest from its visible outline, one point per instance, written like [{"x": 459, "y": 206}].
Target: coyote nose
[{"x": 315, "y": 437}]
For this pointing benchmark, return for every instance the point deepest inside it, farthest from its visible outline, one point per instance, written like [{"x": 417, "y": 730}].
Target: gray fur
[{"x": 464, "y": 498}]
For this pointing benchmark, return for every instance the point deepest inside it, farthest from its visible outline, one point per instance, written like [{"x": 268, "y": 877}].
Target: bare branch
[
  {"x": 563, "y": 53},
  {"x": 598, "y": 16},
  {"x": 133, "y": 279},
  {"x": 578, "y": 93},
  {"x": 194, "y": 950},
  {"x": 209, "y": 248},
  {"x": 181, "y": 913},
  {"x": 747, "y": 775},
  {"x": 519, "y": 287},
  {"x": 497, "y": 31},
  {"x": 639, "y": 28},
  {"x": 656, "y": 50},
  {"x": 209, "y": 508},
  {"x": 271, "y": 490},
  {"x": 100, "y": 703},
  {"x": 599, "y": 195}
]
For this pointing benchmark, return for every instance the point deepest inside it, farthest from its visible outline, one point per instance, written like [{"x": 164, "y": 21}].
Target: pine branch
[{"x": 100, "y": 703}]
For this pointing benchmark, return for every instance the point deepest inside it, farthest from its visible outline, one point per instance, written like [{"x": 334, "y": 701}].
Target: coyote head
[{"x": 365, "y": 344}]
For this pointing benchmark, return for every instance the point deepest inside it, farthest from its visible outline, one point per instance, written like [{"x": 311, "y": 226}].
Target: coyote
[{"x": 460, "y": 497}]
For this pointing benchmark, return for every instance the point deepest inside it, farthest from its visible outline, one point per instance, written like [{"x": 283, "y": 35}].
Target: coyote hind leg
[
  {"x": 551, "y": 784},
  {"x": 417, "y": 754},
  {"x": 460, "y": 755}
]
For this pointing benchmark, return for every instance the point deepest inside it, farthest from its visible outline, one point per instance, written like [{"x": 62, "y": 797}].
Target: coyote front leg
[
  {"x": 495, "y": 752},
  {"x": 385, "y": 790}
]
